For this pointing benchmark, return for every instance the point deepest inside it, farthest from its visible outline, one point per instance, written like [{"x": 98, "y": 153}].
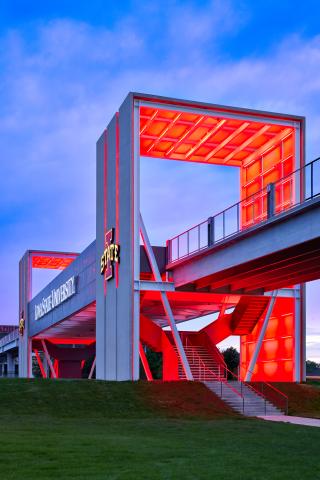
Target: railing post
[
  {"x": 169, "y": 256},
  {"x": 270, "y": 200},
  {"x": 223, "y": 224},
  {"x": 210, "y": 231},
  {"x": 311, "y": 189},
  {"x": 238, "y": 217}
]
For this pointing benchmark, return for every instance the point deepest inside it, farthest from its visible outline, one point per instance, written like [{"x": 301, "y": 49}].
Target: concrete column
[
  {"x": 10, "y": 365},
  {"x": 25, "y": 343},
  {"x": 117, "y": 325}
]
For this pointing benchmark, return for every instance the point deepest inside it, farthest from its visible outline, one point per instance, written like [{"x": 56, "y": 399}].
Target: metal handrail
[
  {"x": 272, "y": 387},
  {"x": 194, "y": 351},
  {"x": 13, "y": 335},
  {"x": 262, "y": 394},
  {"x": 250, "y": 200}
]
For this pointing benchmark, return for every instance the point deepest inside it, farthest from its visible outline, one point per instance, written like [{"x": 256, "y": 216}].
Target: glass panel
[
  {"x": 194, "y": 239},
  {"x": 203, "y": 231},
  {"x": 231, "y": 220},
  {"x": 218, "y": 227}
]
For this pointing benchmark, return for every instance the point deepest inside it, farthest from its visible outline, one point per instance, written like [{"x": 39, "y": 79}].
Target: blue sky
[{"x": 66, "y": 67}]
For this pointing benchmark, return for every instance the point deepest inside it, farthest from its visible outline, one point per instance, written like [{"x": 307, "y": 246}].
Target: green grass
[
  {"x": 103, "y": 430},
  {"x": 304, "y": 399}
]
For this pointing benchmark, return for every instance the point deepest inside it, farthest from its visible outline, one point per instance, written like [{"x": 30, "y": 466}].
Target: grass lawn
[
  {"x": 304, "y": 399},
  {"x": 104, "y": 430}
]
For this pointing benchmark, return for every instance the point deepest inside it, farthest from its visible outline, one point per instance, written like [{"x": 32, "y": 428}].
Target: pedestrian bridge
[{"x": 259, "y": 244}]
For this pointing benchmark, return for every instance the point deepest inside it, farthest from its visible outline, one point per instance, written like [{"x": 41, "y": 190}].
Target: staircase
[
  {"x": 204, "y": 365},
  {"x": 247, "y": 313},
  {"x": 242, "y": 398}
]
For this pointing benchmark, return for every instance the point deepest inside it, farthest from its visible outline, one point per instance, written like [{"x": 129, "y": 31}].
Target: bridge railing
[
  {"x": 10, "y": 337},
  {"x": 293, "y": 189}
]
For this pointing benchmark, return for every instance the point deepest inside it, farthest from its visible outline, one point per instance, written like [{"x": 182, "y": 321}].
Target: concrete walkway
[{"x": 310, "y": 422}]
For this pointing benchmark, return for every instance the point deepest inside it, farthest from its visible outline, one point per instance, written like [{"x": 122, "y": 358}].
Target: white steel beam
[
  {"x": 165, "y": 301},
  {"x": 257, "y": 349},
  {"x": 282, "y": 292},
  {"x": 273, "y": 142},
  {"x": 46, "y": 354},
  {"x": 145, "y": 363},
  {"x": 41, "y": 366},
  {"x": 247, "y": 142},
  {"x": 93, "y": 366},
  {"x": 149, "y": 286},
  {"x": 227, "y": 140},
  {"x": 209, "y": 134},
  {"x": 254, "y": 116},
  {"x": 136, "y": 242}
]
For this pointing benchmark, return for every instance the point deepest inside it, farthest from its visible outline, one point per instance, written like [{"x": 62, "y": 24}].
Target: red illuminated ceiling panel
[
  {"x": 52, "y": 261},
  {"x": 203, "y": 138}
]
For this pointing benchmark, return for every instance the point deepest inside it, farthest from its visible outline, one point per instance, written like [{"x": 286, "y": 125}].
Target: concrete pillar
[
  {"x": 10, "y": 365},
  {"x": 117, "y": 319}
]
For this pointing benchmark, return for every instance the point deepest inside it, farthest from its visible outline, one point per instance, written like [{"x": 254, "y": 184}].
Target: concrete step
[{"x": 250, "y": 403}]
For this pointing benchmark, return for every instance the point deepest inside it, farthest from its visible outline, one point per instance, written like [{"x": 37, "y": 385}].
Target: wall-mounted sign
[
  {"x": 110, "y": 255},
  {"x": 21, "y": 324},
  {"x": 56, "y": 297}
]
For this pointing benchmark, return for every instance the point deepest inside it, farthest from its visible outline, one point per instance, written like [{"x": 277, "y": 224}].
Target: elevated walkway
[{"x": 277, "y": 247}]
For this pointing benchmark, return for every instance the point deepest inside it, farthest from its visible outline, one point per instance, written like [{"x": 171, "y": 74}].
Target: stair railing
[
  {"x": 276, "y": 394},
  {"x": 205, "y": 372}
]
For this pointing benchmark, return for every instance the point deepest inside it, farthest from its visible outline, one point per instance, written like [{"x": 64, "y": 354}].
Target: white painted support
[
  {"x": 247, "y": 116},
  {"x": 297, "y": 336},
  {"x": 10, "y": 365},
  {"x": 136, "y": 243},
  {"x": 93, "y": 366},
  {"x": 46, "y": 354},
  {"x": 42, "y": 369},
  {"x": 145, "y": 363},
  {"x": 165, "y": 302},
  {"x": 257, "y": 349},
  {"x": 282, "y": 292},
  {"x": 149, "y": 286}
]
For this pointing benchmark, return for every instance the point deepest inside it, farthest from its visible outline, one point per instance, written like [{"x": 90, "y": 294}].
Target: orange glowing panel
[
  {"x": 52, "y": 261},
  {"x": 277, "y": 351},
  {"x": 179, "y": 135}
]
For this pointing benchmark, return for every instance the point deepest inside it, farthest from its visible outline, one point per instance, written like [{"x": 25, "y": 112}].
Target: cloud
[{"x": 62, "y": 81}]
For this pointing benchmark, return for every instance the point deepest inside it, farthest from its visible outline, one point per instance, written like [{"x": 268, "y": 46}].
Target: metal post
[
  {"x": 93, "y": 366},
  {"x": 223, "y": 224},
  {"x": 261, "y": 337},
  {"x": 10, "y": 365},
  {"x": 145, "y": 363},
  {"x": 42, "y": 369},
  {"x": 238, "y": 217},
  {"x": 165, "y": 301},
  {"x": 270, "y": 200},
  {"x": 210, "y": 231},
  {"x": 45, "y": 351}
]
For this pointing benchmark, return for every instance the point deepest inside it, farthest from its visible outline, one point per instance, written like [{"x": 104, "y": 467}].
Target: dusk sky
[{"x": 66, "y": 66}]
